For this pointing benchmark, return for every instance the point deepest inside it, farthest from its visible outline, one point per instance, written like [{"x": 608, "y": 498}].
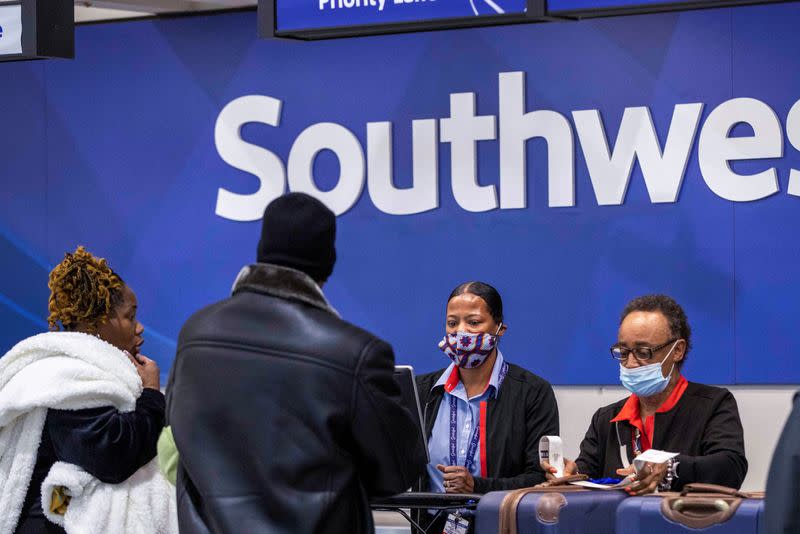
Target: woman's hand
[
  {"x": 570, "y": 468},
  {"x": 626, "y": 471},
  {"x": 647, "y": 480},
  {"x": 457, "y": 479},
  {"x": 147, "y": 369}
]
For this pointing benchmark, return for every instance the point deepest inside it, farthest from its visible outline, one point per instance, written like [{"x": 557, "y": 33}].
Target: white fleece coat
[{"x": 72, "y": 371}]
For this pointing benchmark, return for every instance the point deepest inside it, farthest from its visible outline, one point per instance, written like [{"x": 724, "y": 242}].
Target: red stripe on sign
[{"x": 483, "y": 440}]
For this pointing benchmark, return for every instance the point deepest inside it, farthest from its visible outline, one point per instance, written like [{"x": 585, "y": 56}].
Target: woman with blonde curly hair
[{"x": 80, "y": 408}]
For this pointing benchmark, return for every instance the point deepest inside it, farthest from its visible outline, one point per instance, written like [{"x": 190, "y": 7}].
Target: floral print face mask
[{"x": 469, "y": 350}]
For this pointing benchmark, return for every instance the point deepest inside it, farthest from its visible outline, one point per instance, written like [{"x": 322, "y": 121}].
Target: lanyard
[
  {"x": 473, "y": 443},
  {"x": 469, "y": 462},
  {"x": 637, "y": 442}
]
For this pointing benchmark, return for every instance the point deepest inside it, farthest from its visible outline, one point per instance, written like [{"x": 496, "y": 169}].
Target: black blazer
[
  {"x": 525, "y": 410},
  {"x": 287, "y": 418},
  {"x": 782, "y": 506},
  {"x": 704, "y": 427}
]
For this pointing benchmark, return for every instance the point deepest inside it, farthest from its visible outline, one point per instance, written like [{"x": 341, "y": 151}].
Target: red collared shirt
[{"x": 630, "y": 412}]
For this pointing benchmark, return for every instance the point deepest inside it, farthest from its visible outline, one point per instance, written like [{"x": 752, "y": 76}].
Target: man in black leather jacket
[{"x": 286, "y": 417}]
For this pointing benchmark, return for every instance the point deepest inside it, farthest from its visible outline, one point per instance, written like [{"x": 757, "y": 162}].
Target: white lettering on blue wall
[{"x": 663, "y": 167}]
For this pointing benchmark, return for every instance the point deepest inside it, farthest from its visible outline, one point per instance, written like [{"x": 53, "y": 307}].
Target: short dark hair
[
  {"x": 483, "y": 290},
  {"x": 666, "y": 305}
]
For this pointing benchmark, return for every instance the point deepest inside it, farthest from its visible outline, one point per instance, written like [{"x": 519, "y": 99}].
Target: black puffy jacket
[{"x": 287, "y": 418}]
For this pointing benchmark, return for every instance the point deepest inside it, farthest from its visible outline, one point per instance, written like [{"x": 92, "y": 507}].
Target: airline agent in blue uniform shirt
[{"x": 483, "y": 415}]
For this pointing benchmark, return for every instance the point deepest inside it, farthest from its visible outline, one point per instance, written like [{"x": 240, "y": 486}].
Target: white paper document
[
  {"x": 652, "y": 456},
  {"x": 591, "y": 485},
  {"x": 10, "y": 30}
]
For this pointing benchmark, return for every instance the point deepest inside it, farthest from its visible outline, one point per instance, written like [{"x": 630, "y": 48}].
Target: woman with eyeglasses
[
  {"x": 484, "y": 416},
  {"x": 664, "y": 411}
]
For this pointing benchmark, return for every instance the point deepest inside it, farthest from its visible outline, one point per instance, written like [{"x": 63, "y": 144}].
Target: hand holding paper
[
  {"x": 652, "y": 456},
  {"x": 651, "y": 468}
]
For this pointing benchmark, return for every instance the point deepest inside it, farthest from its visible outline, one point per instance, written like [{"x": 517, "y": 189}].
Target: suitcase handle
[
  {"x": 547, "y": 509},
  {"x": 700, "y": 505},
  {"x": 698, "y": 487},
  {"x": 699, "y": 512}
]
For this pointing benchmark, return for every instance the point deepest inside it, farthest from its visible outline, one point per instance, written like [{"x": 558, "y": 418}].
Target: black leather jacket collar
[{"x": 281, "y": 282}]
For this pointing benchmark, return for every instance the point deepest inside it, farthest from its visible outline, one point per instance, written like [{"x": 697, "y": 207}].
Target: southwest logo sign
[{"x": 663, "y": 166}]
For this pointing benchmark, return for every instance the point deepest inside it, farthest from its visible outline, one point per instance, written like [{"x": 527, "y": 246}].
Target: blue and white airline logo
[
  {"x": 367, "y": 169},
  {"x": 315, "y": 14},
  {"x": 10, "y": 30}
]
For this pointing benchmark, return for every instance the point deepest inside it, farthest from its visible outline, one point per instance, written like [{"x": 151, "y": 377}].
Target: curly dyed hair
[{"x": 83, "y": 290}]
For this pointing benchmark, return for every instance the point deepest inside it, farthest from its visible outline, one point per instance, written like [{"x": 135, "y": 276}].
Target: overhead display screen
[
  {"x": 320, "y": 19},
  {"x": 10, "y": 29},
  {"x": 584, "y": 5},
  {"x": 589, "y": 8},
  {"x": 308, "y": 14},
  {"x": 36, "y": 29},
  {"x": 315, "y": 18}
]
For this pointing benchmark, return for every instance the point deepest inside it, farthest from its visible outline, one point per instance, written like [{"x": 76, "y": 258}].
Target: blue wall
[{"x": 115, "y": 150}]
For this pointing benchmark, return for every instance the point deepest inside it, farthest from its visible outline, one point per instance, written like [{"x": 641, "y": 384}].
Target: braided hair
[{"x": 83, "y": 290}]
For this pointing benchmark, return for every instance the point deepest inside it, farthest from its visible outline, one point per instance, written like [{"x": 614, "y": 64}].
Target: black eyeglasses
[{"x": 642, "y": 354}]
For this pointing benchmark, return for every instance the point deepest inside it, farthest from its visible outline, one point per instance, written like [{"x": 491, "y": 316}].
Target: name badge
[{"x": 456, "y": 524}]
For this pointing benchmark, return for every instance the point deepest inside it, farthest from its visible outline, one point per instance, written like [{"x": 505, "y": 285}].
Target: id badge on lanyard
[{"x": 456, "y": 524}]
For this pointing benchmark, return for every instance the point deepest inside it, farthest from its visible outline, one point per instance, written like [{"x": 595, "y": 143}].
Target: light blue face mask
[{"x": 646, "y": 380}]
